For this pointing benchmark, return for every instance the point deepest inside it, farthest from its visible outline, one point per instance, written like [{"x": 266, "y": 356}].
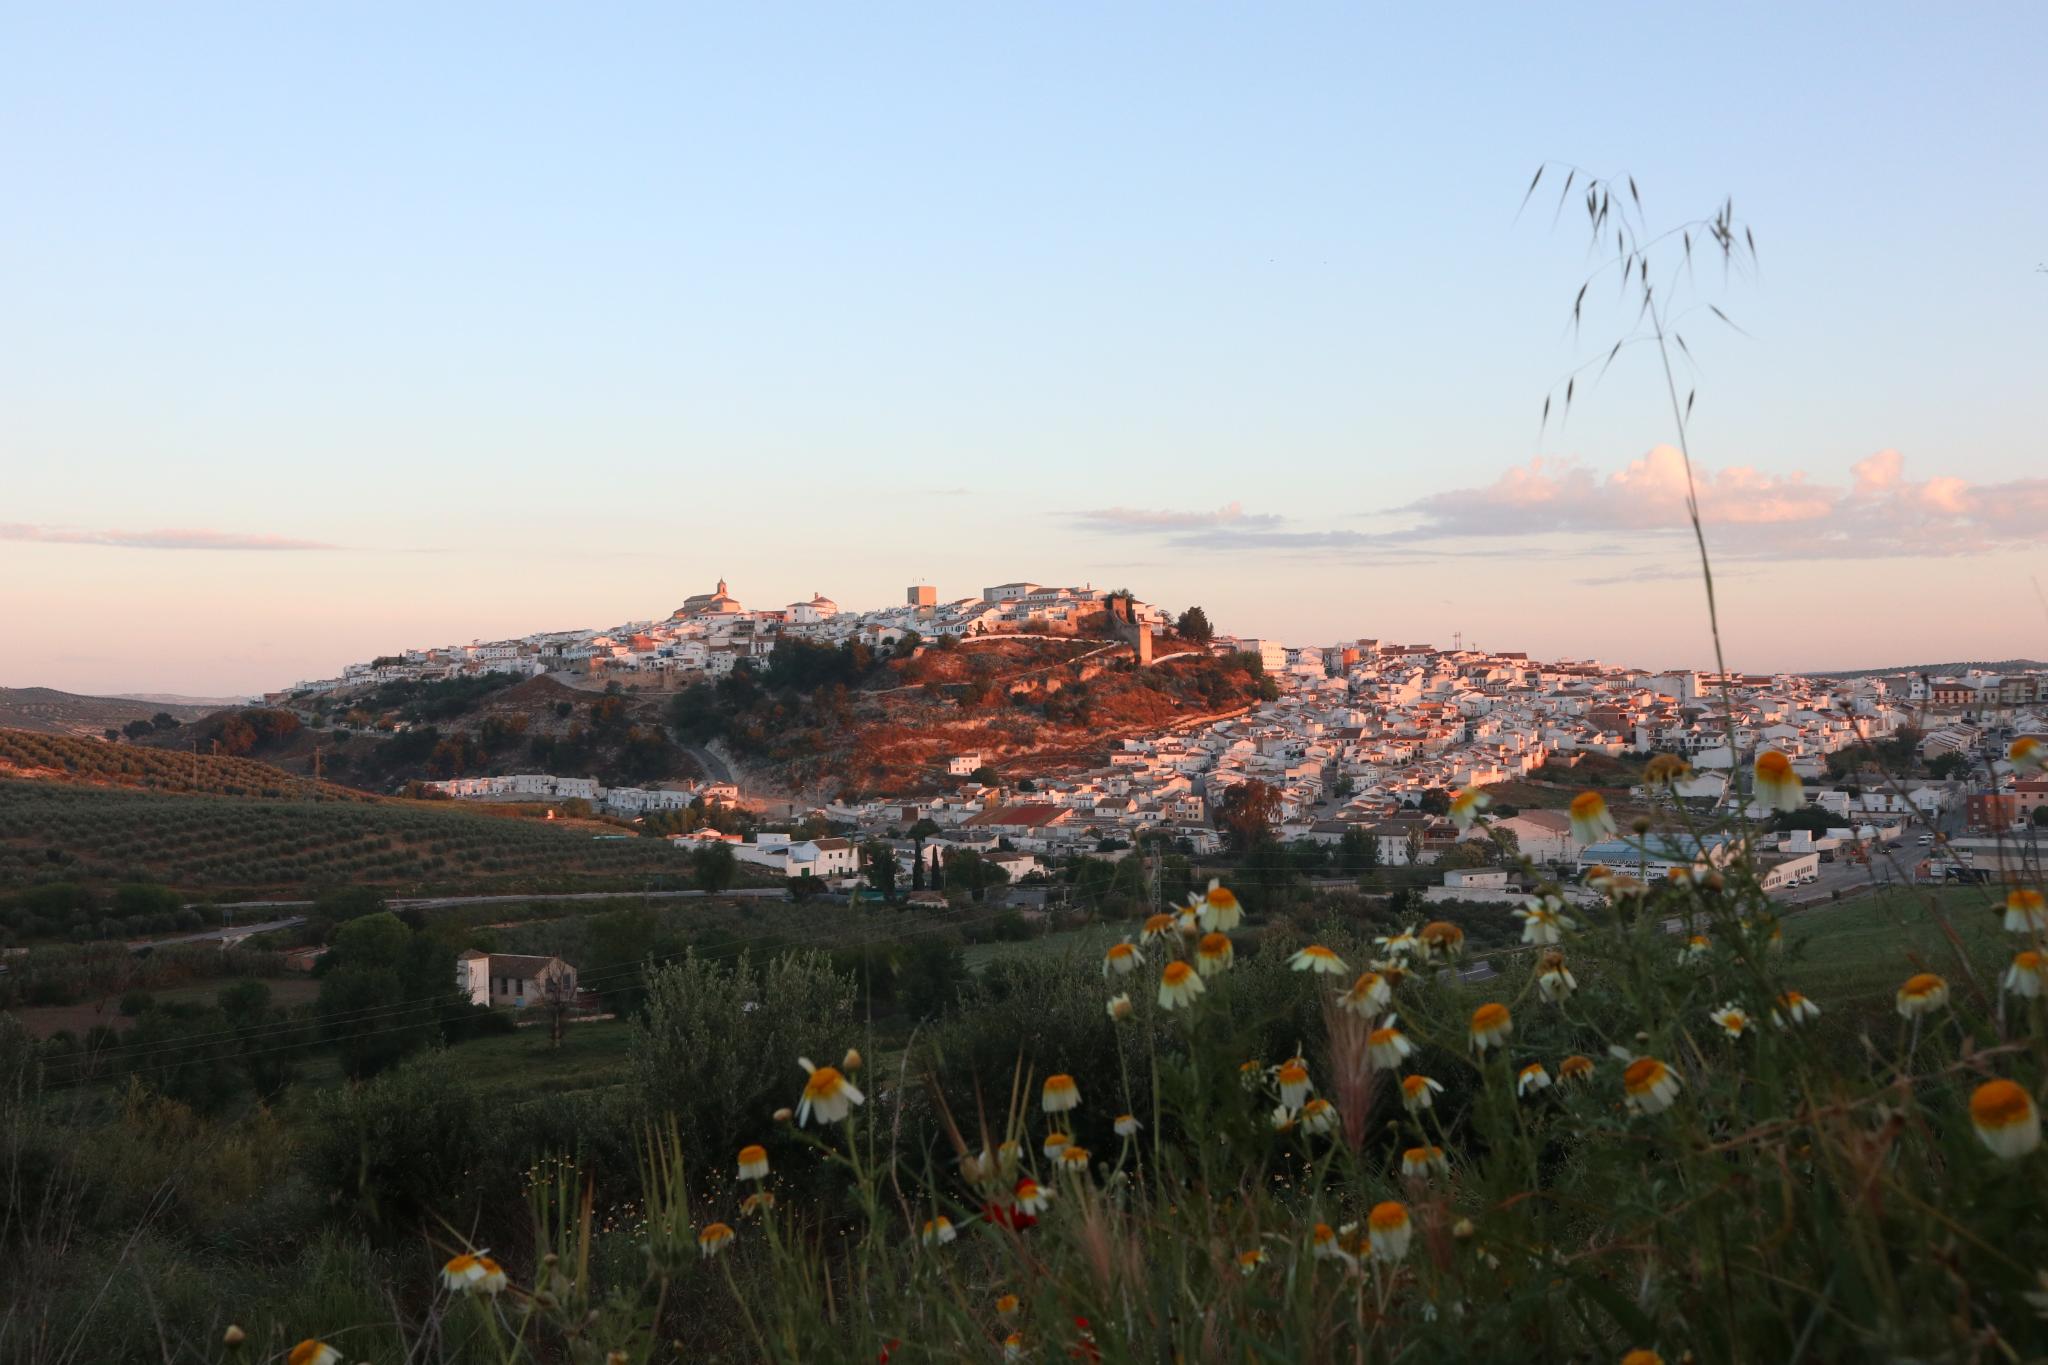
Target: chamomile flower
[
  {"x": 1282, "y": 1119},
  {"x": 1031, "y": 1196},
  {"x": 1007, "y": 1305},
  {"x": 1923, "y": 994},
  {"x": 313, "y": 1351},
  {"x": 1317, "y": 958},
  {"x": 1419, "y": 1092},
  {"x": 2025, "y": 912},
  {"x": 1122, "y": 958},
  {"x": 1649, "y": 1086},
  {"x": 1666, "y": 769},
  {"x": 1466, "y": 805},
  {"x": 1777, "y": 786},
  {"x": 938, "y": 1231},
  {"x": 760, "y": 1201},
  {"x": 1074, "y": 1160},
  {"x": 1060, "y": 1093},
  {"x": 1294, "y": 1083},
  {"x": 1531, "y": 1079},
  {"x": 1491, "y": 1025},
  {"x": 2027, "y": 977},
  {"x": 1554, "y": 981},
  {"x": 1158, "y": 929},
  {"x": 1419, "y": 1163},
  {"x": 715, "y": 1238},
  {"x": 1387, "y": 1045},
  {"x": 2028, "y": 754},
  {"x": 1400, "y": 944},
  {"x": 1368, "y": 995},
  {"x": 1544, "y": 921},
  {"x": 753, "y": 1162},
  {"x": 1214, "y": 954},
  {"x": 1732, "y": 1019},
  {"x": 1389, "y": 1230},
  {"x": 1318, "y": 1116},
  {"x": 1793, "y": 1008},
  {"x": 1695, "y": 950},
  {"x": 1575, "y": 1068},
  {"x": 1013, "y": 1346},
  {"x": 1126, "y": 1125},
  {"x": 1054, "y": 1144},
  {"x": 473, "y": 1273},
  {"x": 827, "y": 1094},
  {"x": 1251, "y": 1075},
  {"x": 1178, "y": 986},
  {"x": 1642, "y": 1355},
  {"x": 1442, "y": 940},
  {"x": 1322, "y": 1241},
  {"x": 1219, "y": 911},
  {"x": 2005, "y": 1118},
  {"x": 1248, "y": 1262},
  {"x": 1119, "y": 1007},
  {"x": 1591, "y": 820}
]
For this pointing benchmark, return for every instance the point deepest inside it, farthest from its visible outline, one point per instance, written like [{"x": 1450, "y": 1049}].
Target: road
[
  {"x": 448, "y": 902},
  {"x": 715, "y": 768},
  {"x": 234, "y": 931}
]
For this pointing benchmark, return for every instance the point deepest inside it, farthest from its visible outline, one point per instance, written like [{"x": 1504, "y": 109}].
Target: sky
[{"x": 331, "y": 330}]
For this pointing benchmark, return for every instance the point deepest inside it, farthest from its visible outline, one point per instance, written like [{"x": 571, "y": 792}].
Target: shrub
[{"x": 700, "y": 1043}]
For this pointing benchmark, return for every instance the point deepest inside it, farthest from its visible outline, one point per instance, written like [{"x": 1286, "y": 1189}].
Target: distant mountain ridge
[
  {"x": 48, "y": 711},
  {"x": 1958, "y": 666}
]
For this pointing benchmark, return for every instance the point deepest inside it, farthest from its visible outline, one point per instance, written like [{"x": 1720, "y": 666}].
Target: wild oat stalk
[{"x": 1640, "y": 256}]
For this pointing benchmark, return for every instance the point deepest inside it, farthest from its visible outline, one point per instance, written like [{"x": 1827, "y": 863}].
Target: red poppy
[{"x": 1008, "y": 1216}]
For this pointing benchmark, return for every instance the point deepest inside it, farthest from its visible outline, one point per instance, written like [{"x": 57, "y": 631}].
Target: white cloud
[{"x": 1148, "y": 519}]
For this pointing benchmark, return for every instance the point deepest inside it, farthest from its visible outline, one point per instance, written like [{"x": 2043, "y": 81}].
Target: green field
[
  {"x": 234, "y": 844},
  {"x": 1858, "y": 951}
]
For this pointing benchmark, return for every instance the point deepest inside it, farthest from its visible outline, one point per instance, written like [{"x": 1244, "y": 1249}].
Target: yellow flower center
[
  {"x": 1176, "y": 973},
  {"x": 1387, "y": 1217},
  {"x": 1926, "y": 983},
  {"x": 1999, "y": 1104},
  {"x": 1642, "y": 1073},
  {"x": 1489, "y": 1016}
]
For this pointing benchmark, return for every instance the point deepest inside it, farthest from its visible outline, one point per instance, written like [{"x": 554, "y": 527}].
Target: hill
[
  {"x": 50, "y": 712},
  {"x": 811, "y": 720},
  {"x": 87, "y": 810},
  {"x": 252, "y": 844},
  {"x": 1952, "y": 667},
  {"x": 384, "y": 737},
  {"x": 95, "y": 762},
  {"x": 832, "y": 722}
]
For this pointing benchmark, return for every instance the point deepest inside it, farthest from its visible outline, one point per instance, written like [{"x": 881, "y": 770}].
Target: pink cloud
[
  {"x": 189, "y": 539},
  {"x": 1748, "y": 513}
]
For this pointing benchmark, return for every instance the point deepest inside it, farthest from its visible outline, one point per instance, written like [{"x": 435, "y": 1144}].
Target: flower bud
[
  {"x": 850, "y": 1063},
  {"x": 1641, "y": 824},
  {"x": 234, "y": 1336},
  {"x": 784, "y": 1114},
  {"x": 1462, "y": 1228}
]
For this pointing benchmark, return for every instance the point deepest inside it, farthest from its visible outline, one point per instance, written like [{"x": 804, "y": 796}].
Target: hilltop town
[{"x": 1357, "y": 741}]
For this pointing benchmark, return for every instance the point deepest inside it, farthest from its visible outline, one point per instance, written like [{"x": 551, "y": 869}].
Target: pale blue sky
[{"x": 549, "y": 315}]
